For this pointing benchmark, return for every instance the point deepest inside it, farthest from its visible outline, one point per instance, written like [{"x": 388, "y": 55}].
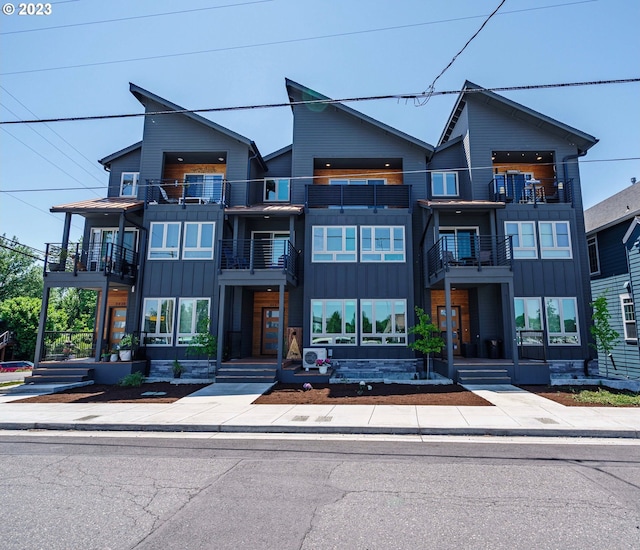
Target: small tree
[
  {"x": 604, "y": 336},
  {"x": 203, "y": 343},
  {"x": 428, "y": 339}
]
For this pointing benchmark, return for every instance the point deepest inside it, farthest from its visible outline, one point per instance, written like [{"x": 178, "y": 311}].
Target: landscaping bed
[{"x": 586, "y": 396}]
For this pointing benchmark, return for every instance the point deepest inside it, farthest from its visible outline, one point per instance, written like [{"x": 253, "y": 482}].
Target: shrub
[{"x": 134, "y": 380}]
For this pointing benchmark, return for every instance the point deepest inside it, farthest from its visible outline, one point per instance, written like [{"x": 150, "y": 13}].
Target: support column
[
  {"x": 66, "y": 230},
  {"x": 510, "y": 325},
  {"x": 42, "y": 323},
  {"x": 280, "y": 327},
  {"x": 102, "y": 318},
  {"x": 449, "y": 327},
  {"x": 223, "y": 293}
]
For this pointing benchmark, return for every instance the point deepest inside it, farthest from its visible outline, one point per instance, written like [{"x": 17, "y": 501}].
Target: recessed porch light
[
  {"x": 221, "y": 159},
  {"x": 180, "y": 159}
]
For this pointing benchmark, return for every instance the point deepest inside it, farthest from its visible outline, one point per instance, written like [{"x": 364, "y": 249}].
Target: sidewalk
[{"x": 228, "y": 408}]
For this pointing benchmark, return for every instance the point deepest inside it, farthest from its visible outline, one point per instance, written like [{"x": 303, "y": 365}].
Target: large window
[
  {"x": 383, "y": 322},
  {"x": 334, "y": 244},
  {"x": 523, "y": 236},
  {"x": 193, "y": 318},
  {"x": 157, "y": 321},
  {"x": 562, "y": 320},
  {"x": 333, "y": 322},
  {"x": 444, "y": 184},
  {"x": 529, "y": 320},
  {"x": 628, "y": 318},
  {"x": 594, "y": 260},
  {"x": 382, "y": 244},
  {"x": 460, "y": 241},
  {"x": 276, "y": 189},
  {"x": 376, "y": 181},
  {"x": 164, "y": 241},
  {"x": 198, "y": 241},
  {"x": 204, "y": 187},
  {"x": 129, "y": 184},
  {"x": 555, "y": 241}
]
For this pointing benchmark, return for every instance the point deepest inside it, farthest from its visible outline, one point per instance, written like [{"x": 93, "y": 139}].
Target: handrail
[
  {"x": 479, "y": 251},
  {"x": 108, "y": 258},
  {"x": 258, "y": 254},
  {"x": 358, "y": 196},
  {"x": 182, "y": 192}
]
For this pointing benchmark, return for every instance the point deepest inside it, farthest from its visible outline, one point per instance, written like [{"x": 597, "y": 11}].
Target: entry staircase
[
  {"x": 60, "y": 374},
  {"x": 484, "y": 376},
  {"x": 247, "y": 371}
]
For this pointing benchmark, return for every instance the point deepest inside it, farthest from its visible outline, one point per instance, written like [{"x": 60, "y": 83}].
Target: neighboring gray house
[
  {"x": 325, "y": 247},
  {"x": 613, "y": 241}
]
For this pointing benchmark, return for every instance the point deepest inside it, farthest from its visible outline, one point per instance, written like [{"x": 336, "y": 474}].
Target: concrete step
[
  {"x": 230, "y": 379},
  {"x": 57, "y": 371},
  {"x": 57, "y": 378},
  {"x": 483, "y": 376},
  {"x": 246, "y": 373}
]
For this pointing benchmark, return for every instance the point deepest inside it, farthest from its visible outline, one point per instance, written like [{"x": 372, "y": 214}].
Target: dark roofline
[
  {"x": 140, "y": 94},
  {"x": 279, "y": 152},
  {"x": 451, "y": 142},
  {"x": 106, "y": 161},
  {"x": 381, "y": 125},
  {"x": 583, "y": 140},
  {"x": 634, "y": 223}
]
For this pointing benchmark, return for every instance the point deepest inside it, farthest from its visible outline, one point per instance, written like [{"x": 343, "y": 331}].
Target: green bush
[{"x": 135, "y": 380}]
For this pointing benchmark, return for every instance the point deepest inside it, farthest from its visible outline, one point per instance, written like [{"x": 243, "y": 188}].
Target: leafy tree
[
  {"x": 203, "y": 343},
  {"x": 20, "y": 274},
  {"x": 21, "y": 316},
  {"x": 604, "y": 336},
  {"x": 79, "y": 305},
  {"x": 428, "y": 339}
]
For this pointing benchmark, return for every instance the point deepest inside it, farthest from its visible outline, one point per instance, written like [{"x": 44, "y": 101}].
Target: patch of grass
[
  {"x": 12, "y": 383},
  {"x": 606, "y": 397}
]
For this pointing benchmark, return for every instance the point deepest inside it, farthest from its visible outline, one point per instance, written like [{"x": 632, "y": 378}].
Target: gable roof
[
  {"x": 106, "y": 161},
  {"x": 581, "y": 139},
  {"x": 279, "y": 152},
  {"x": 294, "y": 86},
  {"x": 616, "y": 209},
  {"x": 141, "y": 94}
]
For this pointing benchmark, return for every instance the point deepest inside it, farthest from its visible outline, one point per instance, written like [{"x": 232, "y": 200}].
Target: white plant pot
[
  {"x": 114, "y": 357},
  {"x": 125, "y": 355},
  {"x": 323, "y": 369}
]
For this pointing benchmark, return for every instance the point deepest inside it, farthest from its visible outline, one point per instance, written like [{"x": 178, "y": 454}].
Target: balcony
[
  {"x": 182, "y": 192},
  {"x": 358, "y": 196},
  {"x": 469, "y": 254},
  {"x": 258, "y": 260},
  {"x": 107, "y": 258},
  {"x": 515, "y": 188}
]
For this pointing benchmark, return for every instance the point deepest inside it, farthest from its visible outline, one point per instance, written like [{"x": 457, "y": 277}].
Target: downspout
[{"x": 565, "y": 170}]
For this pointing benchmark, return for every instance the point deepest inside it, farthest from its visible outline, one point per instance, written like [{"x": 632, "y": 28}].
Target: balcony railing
[
  {"x": 165, "y": 191},
  {"x": 257, "y": 254},
  {"x": 358, "y": 196},
  {"x": 108, "y": 258},
  {"x": 479, "y": 251},
  {"x": 66, "y": 345},
  {"x": 515, "y": 188}
]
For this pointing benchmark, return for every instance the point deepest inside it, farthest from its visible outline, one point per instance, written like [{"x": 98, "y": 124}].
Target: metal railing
[
  {"x": 105, "y": 257},
  {"x": 479, "y": 251},
  {"x": 358, "y": 196},
  {"x": 516, "y": 189},
  {"x": 66, "y": 345},
  {"x": 252, "y": 254},
  {"x": 181, "y": 192},
  {"x": 532, "y": 344}
]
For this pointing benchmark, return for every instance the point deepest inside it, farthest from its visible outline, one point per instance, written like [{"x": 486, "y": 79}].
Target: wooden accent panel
[
  {"x": 544, "y": 172},
  {"x": 393, "y": 176},
  {"x": 260, "y": 300},
  {"x": 114, "y": 299},
  {"x": 458, "y": 298},
  {"x": 177, "y": 171}
]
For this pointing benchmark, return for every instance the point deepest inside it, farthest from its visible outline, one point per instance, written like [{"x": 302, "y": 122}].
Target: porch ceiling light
[
  {"x": 221, "y": 159},
  {"x": 328, "y": 165},
  {"x": 180, "y": 159}
]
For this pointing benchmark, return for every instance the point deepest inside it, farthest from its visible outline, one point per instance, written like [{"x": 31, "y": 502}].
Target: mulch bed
[
  {"x": 104, "y": 393},
  {"x": 380, "y": 394},
  {"x": 564, "y": 395}
]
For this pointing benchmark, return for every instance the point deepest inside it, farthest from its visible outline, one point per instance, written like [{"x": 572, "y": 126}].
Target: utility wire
[
  {"x": 281, "y": 42},
  {"x": 22, "y": 252},
  {"x": 325, "y": 101},
  {"x": 18, "y": 243}
]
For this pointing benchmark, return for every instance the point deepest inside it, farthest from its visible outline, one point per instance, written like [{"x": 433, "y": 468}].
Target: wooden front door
[
  {"x": 117, "y": 324},
  {"x": 270, "y": 326},
  {"x": 455, "y": 325}
]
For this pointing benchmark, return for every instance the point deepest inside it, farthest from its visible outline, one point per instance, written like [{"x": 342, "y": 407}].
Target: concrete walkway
[{"x": 228, "y": 408}]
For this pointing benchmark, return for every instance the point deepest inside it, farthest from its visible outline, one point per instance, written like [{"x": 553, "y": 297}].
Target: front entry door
[
  {"x": 455, "y": 325},
  {"x": 117, "y": 324},
  {"x": 270, "y": 326}
]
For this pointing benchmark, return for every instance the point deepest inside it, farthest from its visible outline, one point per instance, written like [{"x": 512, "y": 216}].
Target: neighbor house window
[
  {"x": 628, "y": 318},
  {"x": 164, "y": 241},
  {"x": 555, "y": 241},
  {"x": 193, "y": 318},
  {"x": 129, "y": 184},
  {"x": 276, "y": 190},
  {"x": 444, "y": 184},
  {"x": 382, "y": 244},
  {"x": 334, "y": 243},
  {"x": 523, "y": 235},
  {"x": 198, "y": 241},
  {"x": 157, "y": 321},
  {"x": 562, "y": 320},
  {"x": 333, "y": 322},
  {"x": 529, "y": 320},
  {"x": 594, "y": 260},
  {"x": 383, "y": 322}
]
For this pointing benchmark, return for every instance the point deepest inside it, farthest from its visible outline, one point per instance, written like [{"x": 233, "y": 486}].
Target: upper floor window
[
  {"x": 628, "y": 318},
  {"x": 562, "y": 320},
  {"x": 157, "y": 321},
  {"x": 555, "y": 241},
  {"x": 444, "y": 184},
  {"x": 193, "y": 318},
  {"x": 333, "y": 322},
  {"x": 382, "y": 244},
  {"x": 383, "y": 322},
  {"x": 204, "y": 187},
  {"x": 164, "y": 241},
  {"x": 523, "y": 235},
  {"x": 276, "y": 190},
  {"x": 376, "y": 181},
  {"x": 129, "y": 184},
  {"x": 198, "y": 241},
  {"x": 333, "y": 243},
  {"x": 594, "y": 259}
]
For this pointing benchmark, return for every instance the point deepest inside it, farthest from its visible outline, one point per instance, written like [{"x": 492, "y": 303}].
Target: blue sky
[{"x": 341, "y": 48}]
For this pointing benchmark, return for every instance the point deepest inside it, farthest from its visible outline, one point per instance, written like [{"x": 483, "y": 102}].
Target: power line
[
  {"x": 22, "y": 252},
  {"x": 287, "y": 41},
  {"x": 134, "y": 17},
  {"x": 325, "y": 101}
]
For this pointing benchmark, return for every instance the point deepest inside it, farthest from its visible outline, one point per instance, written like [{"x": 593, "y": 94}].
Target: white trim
[
  {"x": 395, "y": 332},
  {"x": 377, "y": 254},
  {"x": 562, "y": 333},
  {"x": 157, "y": 335},
  {"x": 164, "y": 252},
  {"x": 320, "y": 252},
  {"x": 628, "y": 322},
  {"x": 555, "y": 250},
  {"x": 181, "y": 336},
  {"x": 444, "y": 175},
  {"x": 522, "y": 252},
  {"x": 342, "y": 338},
  {"x": 276, "y": 190},
  {"x": 526, "y": 313},
  {"x": 133, "y": 186},
  {"x": 198, "y": 252},
  {"x": 593, "y": 240}
]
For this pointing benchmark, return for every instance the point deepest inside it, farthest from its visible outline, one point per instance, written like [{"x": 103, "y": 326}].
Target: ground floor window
[
  {"x": 529, "y": 320},
  {"x": 193, "y": 318},
  {"x": 333, "y": 322},
  {"x": 383, "y": 322},
  {"x": 157, "y": 321},
  {"x": 562, "y": 320}
]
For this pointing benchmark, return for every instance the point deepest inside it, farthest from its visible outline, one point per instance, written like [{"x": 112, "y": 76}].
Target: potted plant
[
  {"x": 178, "y": 369},
  {"x": 323, "y": 365},
  {"x": 114, "y": 354},
  {"x": 128, "y": 342},
  {"x": 105, "y": 356},
  {"x": 428, "y": 339}
]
